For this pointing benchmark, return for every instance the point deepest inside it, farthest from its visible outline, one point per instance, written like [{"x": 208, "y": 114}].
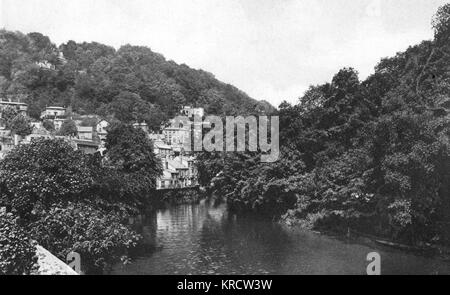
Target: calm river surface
[{"x": 203, "y": 239}]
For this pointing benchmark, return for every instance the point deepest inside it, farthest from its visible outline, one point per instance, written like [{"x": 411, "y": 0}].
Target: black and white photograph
[{"x": 207, "y": 139}]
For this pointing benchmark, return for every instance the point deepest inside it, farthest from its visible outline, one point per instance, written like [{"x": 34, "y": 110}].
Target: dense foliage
[
  {"x": 130, "y": 150},
  {"x": 68, "y": 128},
  {"x": 132, "y": 83},
  {"x": 68, "y": 201},
  {"x": 17, "y": 123},
  {"x": 17, "y": 253},
  {"x": 370, "y": 155},
  {"x": 21, "y": 125},
  {"x": 98, "y": 236},
  {"x": 130, "y": 167},
  {"x": 41, "y": 173}
]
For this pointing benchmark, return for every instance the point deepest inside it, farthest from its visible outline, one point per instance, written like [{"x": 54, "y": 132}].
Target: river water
[{"x": 206, "y": 239}]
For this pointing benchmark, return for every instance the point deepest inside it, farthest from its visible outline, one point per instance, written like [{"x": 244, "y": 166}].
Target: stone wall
[{"x": 49, "y": 264}]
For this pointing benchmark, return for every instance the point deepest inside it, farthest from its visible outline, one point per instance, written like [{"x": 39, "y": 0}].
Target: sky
[{"x": 271, "y": 49}]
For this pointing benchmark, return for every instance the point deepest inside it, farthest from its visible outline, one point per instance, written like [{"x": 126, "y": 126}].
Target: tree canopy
[
  {"x": 371, "y": 155},
  {"x": 41, "y": 173},
  {"x": 132, "y": 83}
]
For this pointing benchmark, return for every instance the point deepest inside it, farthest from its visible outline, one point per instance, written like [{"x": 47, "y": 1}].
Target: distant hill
[{"x": 132, "y": 83}]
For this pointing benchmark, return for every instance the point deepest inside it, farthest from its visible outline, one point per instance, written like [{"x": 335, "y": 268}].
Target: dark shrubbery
[
  {"x": 98, "y": 236},
  {"x": 36, "y": 175},
  {"x": 17, "y": 254},
  {"x": 69, "y": 201}
]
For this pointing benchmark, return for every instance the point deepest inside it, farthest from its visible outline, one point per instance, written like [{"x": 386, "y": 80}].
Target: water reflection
[{"x": 204, "y": 239}]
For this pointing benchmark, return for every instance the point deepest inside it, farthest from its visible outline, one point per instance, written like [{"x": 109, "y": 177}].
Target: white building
[
  {"x": 176, "y": 135},
  {"x": 161, "y": 149},
  {"x": 168, "y": 180},
  {"x": 101, "y": 129},
  {"x": 85, "y": 132},
  {"x": 192, "y": 173},
  {"x": 53, "y": 113},
  {"x": 191, "y": 112},
  {"x": 58, "y": 123}
]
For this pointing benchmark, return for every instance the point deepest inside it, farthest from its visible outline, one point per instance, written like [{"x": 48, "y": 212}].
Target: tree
[
  {"x": 8, "y": 114},
  {"x": 17, "y": 252},
  {"x": 48, "y": 125},
  {"x": 441, "y": 23},
  {"x": 41, "y": 173},
  {"x": 131, "y": 151},
  {"x": 68, "y": 128},
  {"x": 21, "y": 125}
]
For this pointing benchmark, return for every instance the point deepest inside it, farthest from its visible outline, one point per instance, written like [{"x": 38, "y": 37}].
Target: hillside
[{"x": 132, "y": 83}]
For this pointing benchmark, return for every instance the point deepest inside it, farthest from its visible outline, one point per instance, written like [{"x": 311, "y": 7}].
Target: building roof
[
  {"x": 162, "y": 146},
  {"x": 175, "y": 129},
  {"x": 55, "y": 108},
  {"x": 85, "y": 129},
  {"x": 166, "y": 175},
  {"x": 13, "y": 103},
  {"x": 177, "y": 164},
  {"x": 101, "y": 121}
]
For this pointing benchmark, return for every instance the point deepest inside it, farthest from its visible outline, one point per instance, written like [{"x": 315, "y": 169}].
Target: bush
[
  {"x": 98, "y": 236},
  {"x": 42, "y": 173},
  {"x": 17, "y": 254},
  {"x": 49, "y": 125}
]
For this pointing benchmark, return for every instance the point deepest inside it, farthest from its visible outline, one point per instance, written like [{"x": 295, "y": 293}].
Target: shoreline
[{"x": 434, "y": 251}]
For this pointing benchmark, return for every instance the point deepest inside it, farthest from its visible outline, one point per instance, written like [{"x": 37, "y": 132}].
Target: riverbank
[{"x": 353, "y": 236}]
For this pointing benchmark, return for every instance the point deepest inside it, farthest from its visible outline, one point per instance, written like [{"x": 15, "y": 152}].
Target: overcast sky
[{"x": 271, "y": 49}]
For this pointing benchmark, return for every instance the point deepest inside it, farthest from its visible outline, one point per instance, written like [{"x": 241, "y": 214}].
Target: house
[
  {"x": 168, "y": 180},
  {"x": 38, "y": 133},
  {"x": 85, "y": 132},
  {"x": 21, "y": 107},
  {"x": 156, "y": 137},
  {"x": 86, "y": 146},
  {"x": 176, "y": 135},
  {"x": 161, "y": 149},
  {"x": 174, "y": 175},
  {"x": 192, "y": 112},
  {"x": 192, "y": 173},
  {"x": 53, "y": 112},
  {"x": 101, "y": 129},
  {"x": 58, "y": 123},
  {"x": 178, "y": 166}
]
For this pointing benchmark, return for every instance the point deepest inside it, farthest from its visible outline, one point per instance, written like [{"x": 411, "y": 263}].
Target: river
[{"x": 206, "y": 239}]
